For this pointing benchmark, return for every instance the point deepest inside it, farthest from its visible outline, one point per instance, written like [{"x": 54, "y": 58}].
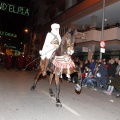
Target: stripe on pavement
[{"x": 65, "y": 106}]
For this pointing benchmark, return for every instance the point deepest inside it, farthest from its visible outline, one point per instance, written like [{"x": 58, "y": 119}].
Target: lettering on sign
[
  {"x": 13, "y": 47},
  {"x": 14, "y": 9},
  {"x": 8, "y": 34}
]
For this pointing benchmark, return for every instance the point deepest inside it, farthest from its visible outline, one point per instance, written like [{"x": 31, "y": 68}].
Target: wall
[{"x": 109, "y": 34}]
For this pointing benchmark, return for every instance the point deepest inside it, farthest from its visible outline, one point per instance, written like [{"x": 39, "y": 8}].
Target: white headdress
[{"x": 53, "y": 27}]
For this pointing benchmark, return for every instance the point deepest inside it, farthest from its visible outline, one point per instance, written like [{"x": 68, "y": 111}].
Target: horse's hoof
[
  {"x": 51, "y": 93},
  {"x": 58, "y": 103},
  {"x": 33, "y": 88}
]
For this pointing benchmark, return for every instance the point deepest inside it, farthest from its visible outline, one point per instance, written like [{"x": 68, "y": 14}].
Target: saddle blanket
[{"x": 63, "y": 62}]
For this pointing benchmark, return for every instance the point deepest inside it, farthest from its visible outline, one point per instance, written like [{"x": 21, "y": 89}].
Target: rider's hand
[{"x": 56, "y": 46}]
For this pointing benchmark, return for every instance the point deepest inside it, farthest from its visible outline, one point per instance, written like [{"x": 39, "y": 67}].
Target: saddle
[{"x": 64, "y": 61}]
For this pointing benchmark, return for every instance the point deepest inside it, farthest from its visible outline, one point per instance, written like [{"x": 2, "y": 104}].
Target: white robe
[{"x": 48, "y": 48}]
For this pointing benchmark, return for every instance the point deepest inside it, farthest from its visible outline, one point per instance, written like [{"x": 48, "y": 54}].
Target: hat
[{"x": 55, "y": 25}]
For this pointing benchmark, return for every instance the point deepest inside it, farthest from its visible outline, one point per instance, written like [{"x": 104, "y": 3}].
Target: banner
[{"x": 14, "y": 9}]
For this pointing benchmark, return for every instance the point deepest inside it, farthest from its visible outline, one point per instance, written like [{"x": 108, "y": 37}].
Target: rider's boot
[{"x": 45, "y": 66}]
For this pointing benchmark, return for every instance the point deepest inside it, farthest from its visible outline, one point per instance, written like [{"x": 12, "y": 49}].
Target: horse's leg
[
  {"x": 57, "y": 82},
  {"x": 50, "y": 88},
  {"x": 37, "y": 76},
  {"x": 52, "y": 68},
  {"x": 78, "y": 85}
]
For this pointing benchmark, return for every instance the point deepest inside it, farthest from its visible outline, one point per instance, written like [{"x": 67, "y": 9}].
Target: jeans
[
  {"x": 102, "y": 80},
  {"x": 92, "y": 82},
  {"x": 84, "y": 81}
]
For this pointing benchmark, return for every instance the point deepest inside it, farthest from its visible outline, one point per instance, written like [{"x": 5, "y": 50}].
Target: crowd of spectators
[
  {"x": 96, "y": 74},
  {"x": 100, "y": 75},
  {"x": 18, "y": 62}
]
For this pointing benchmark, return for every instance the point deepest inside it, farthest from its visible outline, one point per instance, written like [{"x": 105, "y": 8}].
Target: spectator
[
  {"x": 20, "y": 62},
  {"x": 92, "y": 65},
  {"x": 86, "y": 64},
  {"x": 106, "y": 64},
  {"x": 116, "y": 61},
  {"x": 8, "y": 61},
  {"x": 88, "y": 75},
  {"x": 115, "y": 83},
  {"x": 93, "y": 79},
  {"x": 118, "y": 68},
  {"x": 101, "y": 77},
  {"x": 111, "y": 69}
]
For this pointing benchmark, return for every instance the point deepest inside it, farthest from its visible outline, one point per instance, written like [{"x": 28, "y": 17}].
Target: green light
[
  {"x": 14, "y": 9},
  {"x": 13, "y": 47},
  {"x": 4, "y": 33}
]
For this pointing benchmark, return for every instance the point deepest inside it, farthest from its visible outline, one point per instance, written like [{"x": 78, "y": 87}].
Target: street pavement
[{"x": 18, "y": 102}]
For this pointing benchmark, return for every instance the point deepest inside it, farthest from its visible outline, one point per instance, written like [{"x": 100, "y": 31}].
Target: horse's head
[{"x": 68, "y": 41}]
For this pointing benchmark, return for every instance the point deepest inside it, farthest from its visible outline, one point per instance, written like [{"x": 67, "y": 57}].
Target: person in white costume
[{"x": 52, "y": 42}]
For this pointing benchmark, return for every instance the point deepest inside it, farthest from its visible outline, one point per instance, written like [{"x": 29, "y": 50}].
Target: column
[
  {"x": 93, "y": 21},
  {"x": 91, "y": 51}
]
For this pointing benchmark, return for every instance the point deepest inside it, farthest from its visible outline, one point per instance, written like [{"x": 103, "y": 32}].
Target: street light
[
  {"x": 103, "y": 20},
  {"x": 26, "y": 30}
]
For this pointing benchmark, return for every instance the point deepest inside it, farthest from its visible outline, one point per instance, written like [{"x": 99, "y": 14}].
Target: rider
[{"x": 52, "y": 42}]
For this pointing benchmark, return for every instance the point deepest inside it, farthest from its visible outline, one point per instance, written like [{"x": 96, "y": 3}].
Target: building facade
[{"x": 84, "y": 15}]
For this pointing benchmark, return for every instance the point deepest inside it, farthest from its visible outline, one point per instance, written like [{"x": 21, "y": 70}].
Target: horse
[{"x": 60, "y": 64}]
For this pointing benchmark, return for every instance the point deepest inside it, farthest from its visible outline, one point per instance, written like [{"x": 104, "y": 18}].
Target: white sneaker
[
  {"x": 109, "y": 93},
  {"x": 118, "y": 95},
  {"x": 104, "y": 91},
  {"x": 73, "y": 81},
  {"x": 95, "y": 89},
  {"x": 84, "y": 85}
]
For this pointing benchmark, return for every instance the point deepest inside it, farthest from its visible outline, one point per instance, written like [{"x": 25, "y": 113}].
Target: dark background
[{"x": 14, "y": 23}]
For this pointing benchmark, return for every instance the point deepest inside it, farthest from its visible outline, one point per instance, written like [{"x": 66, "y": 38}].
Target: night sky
[{"x": 12, "y": 22}]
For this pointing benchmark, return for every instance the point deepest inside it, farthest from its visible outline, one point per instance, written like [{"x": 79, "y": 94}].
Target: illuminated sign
[
  {"x": 12, "y": 47},
  {"x": 8, "y": 34},
  {"x": 14, "y": 9}
]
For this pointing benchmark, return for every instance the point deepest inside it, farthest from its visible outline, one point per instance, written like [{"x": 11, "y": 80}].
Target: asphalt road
[{"x": 18, "y": 102}]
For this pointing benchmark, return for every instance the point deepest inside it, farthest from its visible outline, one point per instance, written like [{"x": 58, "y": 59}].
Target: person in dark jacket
[
  {"x": 102, "y": 76},
  {"x": 92, "y": 65},
  {"x": 111, "y": 69},
  {"x": 86, "y": 64}
]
